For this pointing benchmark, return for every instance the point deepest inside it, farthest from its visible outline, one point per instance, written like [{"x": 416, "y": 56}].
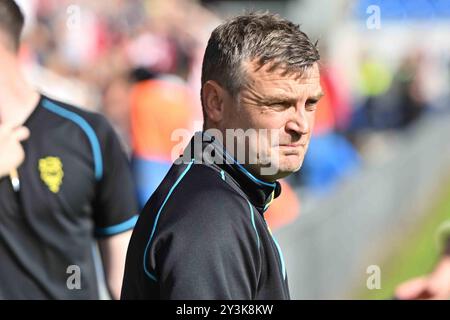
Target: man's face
[{"x": 285, "y": 105}]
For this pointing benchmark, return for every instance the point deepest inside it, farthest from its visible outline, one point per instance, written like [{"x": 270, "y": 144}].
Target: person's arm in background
[
  {"x": 113, "y": 251},
  {"x": 115, "y": 208},
  {"x": 11, "y": 151},
  {"x": 436, "y": 285}
]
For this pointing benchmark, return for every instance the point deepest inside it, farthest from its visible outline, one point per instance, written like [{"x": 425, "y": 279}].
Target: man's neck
[{"x": 17, "y": 98}]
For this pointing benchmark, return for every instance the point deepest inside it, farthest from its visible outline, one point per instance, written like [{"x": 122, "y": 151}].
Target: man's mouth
[{"x": 292, "y": 145}]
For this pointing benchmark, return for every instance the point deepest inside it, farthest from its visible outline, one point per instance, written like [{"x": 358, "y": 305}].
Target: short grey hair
[{"x": 260, "y": 37}]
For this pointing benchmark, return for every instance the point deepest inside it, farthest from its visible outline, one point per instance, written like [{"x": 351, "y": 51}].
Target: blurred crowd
[{"x": 93, "y": 53}]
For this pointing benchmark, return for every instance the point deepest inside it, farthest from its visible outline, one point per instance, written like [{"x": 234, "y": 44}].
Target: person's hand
[
  {"x": 11, "y": 151},
  {"x": 435, "y": 286}
]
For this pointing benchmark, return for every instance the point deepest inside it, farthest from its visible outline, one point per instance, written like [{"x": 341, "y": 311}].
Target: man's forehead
[
  {"x": 267, "y": 72},
  {"x": 264, "y": 82}
]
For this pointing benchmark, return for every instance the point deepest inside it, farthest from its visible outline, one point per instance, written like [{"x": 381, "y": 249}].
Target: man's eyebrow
[
  {"x": 279, "y": 98},
  {"x": 288, "y": 98},
  {"x": 317, "y": 96}
]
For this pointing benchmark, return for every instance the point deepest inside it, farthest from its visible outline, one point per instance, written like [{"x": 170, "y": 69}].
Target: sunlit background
[{"x": 375, "y": 185}]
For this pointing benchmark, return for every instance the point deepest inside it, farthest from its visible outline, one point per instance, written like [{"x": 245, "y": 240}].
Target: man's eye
[
  {"x": 280, "y": 105},
  {"x": 311, "y": 105}
]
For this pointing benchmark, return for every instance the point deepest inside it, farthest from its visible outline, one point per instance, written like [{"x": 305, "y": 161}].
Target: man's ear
[{"x": 213, "y": 96}]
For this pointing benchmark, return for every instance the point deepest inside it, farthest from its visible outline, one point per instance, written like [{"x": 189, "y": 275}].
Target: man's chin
[
  {"x": 287, "y": 172},
  {"x": 275, "y": 171},
  {"x": 290, "y": 164}
]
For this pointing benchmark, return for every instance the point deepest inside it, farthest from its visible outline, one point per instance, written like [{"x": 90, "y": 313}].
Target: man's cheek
[{"x": 312, "y": 121}]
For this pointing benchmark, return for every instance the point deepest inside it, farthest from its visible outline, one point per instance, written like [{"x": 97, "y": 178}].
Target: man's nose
[{"x": 298, "y": 123}]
